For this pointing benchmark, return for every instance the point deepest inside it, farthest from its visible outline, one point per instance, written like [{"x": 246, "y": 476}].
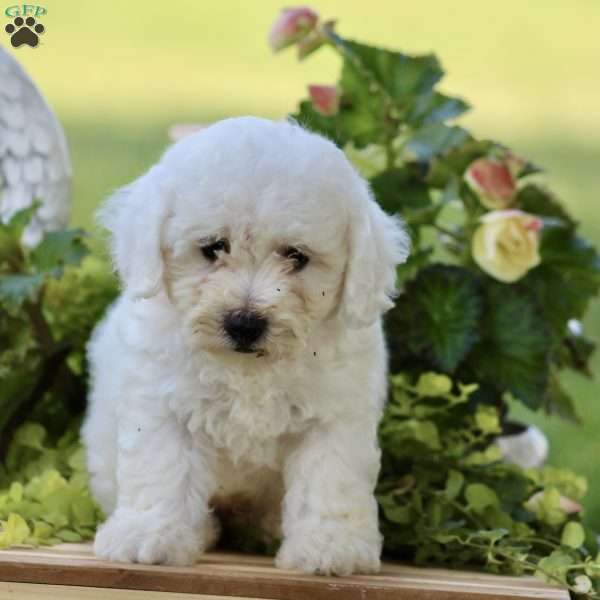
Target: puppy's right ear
[{"x": 135, "y": 217}]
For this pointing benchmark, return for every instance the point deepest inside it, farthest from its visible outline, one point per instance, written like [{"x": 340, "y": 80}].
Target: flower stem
[{"x": 444, "y": 230}]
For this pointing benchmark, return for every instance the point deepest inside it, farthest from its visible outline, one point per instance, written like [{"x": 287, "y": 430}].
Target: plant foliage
[
  {"x": 45, "y": 499},
  {"x": 398, "y": 128},
  {"x": 51, "y": 297},
  {"x": 446, "y": 497}
]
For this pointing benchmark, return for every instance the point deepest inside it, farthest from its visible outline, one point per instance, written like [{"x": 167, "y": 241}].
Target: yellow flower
[{"x": 506, "y": 244}]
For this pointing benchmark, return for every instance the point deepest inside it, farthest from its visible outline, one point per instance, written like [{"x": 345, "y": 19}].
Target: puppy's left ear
[
  {"x": 135, "y": 216},
  {"x": 378, "y": 243}
]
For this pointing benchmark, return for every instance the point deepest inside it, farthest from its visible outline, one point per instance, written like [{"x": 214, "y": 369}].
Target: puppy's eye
[
  {"x": 211, "y": 251},
  {"x": 299, "y": 259}
]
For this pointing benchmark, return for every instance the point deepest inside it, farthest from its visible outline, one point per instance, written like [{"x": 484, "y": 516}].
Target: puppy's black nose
[{"x": 244, "y": 328}]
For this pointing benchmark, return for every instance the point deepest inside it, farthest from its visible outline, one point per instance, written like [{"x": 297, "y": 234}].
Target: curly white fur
[{"x": 177, "y": 420}]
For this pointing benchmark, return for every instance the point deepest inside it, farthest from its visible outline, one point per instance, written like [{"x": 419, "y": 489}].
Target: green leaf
[
  {"x": 435, "y": 140},
  {"x": 433, "y": 384},
  {"x": 536, "y": 200},
  {"x": 401, "y": 190},
  {"x": 493, "y": 535},
  {"x": 571, "y": 265},
  {"x": 547, "y": 508},
  {"x": 77, "y": 460},
  {"x": 555, "y": 564},
  {"x": 17, "y": 289},
  {"x": 575, "y": 351},
  {"x": 487, "y": 419},
  {"x": 404, "y": 77},
  {"x": 573, "y": 535},
  {"x": 435, "y": 108},
  {"x": 42, "y": 530},
  {"x": 369, "y": 160},
  {"x": 437, "y": 317},
  {"x": 566, "y": 482},
  {"x": 424, "y": 432},
  {"x": 9, "y": 247},
  {"x": 454, "y": 484},
  {"x": 14, "y": 531},
  {"x": 15, "y": 492},
  {"x": 84, "y": 511},
  {"x": 57, "y": 250},
  {"x": 513, "y": 353},
  {"x": 396, "y": 513},
  {"x": 479, "y": 497},
  {"x": 379, "y": 87},
  {"x": 416, "y": 261},
  {"x": 559, "y": 402},
  {"x": 19, "y": 221},
  {"x": 30, "y": 435},
  {"x": 362, "y": 111},
  {"x": 66, "y": 535}
]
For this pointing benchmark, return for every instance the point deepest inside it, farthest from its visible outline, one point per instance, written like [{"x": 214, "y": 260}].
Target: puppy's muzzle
[{"x": 244, "y": 329}]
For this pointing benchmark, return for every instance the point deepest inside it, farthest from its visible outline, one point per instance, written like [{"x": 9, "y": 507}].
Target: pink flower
[
  {"x": 325, "y": 99},
  {"x": 493, "y": 181},
  {"x": 292, "y": 25}
]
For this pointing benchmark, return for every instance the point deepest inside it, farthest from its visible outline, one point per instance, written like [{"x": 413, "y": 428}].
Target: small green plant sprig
[
  {"x": 499, "y": 277},
  {"x": 44, "y": 494},
  {"x": 446, "y": 498},
  {"x": 51, "y": 296}
]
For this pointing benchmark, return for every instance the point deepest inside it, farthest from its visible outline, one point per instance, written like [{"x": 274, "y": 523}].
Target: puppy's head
[{"x": 257, "y": 232}]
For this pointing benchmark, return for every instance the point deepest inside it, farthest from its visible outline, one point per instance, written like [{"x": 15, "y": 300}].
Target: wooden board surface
[
  {"x": 242, "y": 576},
  {"x": 35, "y": 591}
]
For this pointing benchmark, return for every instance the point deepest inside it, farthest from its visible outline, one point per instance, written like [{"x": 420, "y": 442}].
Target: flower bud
[
  {"x": 307, "y": 45},
  {"x": 493, "y": 181},
  {"x": 325, "y": 99},
  {"x": 292, "y": 25}
]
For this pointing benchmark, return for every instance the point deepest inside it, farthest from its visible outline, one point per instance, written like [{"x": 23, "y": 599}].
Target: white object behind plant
[
  {"x": 34, "y": 158},
  {"x": 528, "y": 449}
]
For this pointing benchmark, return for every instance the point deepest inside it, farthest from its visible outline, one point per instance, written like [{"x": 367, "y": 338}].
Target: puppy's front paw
[
  {"x": 331, "y": 548},
  {"x": 130, "y": 536}
]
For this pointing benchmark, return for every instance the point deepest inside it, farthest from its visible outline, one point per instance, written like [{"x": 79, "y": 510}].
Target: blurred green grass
[{"x": 118, "y": 74}]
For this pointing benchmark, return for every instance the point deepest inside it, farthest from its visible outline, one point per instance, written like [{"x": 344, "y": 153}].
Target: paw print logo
[{"x": 24, "y": 31}]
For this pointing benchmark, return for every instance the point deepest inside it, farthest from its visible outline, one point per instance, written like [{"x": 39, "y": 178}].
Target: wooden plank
[
  {"x": 243, "y": 576},
  {"x": 34, "y": 591}
]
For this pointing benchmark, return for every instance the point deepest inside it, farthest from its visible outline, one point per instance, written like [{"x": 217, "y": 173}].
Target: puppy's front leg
[
  {"x": 165, "y": 479},
  {"x": 330, "y": 518}
]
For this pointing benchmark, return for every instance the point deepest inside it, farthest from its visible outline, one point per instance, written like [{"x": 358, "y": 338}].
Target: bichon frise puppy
[{"x": 245, "y": 358}]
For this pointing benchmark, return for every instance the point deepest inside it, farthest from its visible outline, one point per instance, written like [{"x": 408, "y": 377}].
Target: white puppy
[{"x": 244, "y": 360}]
